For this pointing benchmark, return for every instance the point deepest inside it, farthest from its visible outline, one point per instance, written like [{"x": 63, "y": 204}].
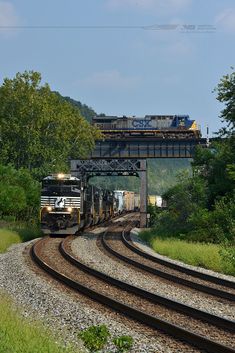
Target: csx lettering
[{"x": 141, "y": 123}]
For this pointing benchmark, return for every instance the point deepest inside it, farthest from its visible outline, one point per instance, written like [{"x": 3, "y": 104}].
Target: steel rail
[
  {"x": 149, "y": 320},
  {"x": 180, "y": 268},
  {"x": 200, "y": 287},
  {"x": 152, "y": 297}
]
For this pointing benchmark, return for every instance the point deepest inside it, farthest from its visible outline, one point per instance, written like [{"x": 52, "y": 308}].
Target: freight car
[
  {"x": 156, "y": 200},
  {"x": 127, "y": 201},
  {"x": 162, "y": 126}
]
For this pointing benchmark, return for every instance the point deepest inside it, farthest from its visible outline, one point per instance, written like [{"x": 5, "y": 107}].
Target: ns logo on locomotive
[{"x": 67, "y": 206}]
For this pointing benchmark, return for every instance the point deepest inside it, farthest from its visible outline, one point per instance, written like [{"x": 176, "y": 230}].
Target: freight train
[
  {"x": 161, "y": 126},
  {"x": 67, "y": 206}
]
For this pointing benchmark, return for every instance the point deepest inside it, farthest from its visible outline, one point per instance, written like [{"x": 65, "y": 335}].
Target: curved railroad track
[
  {"x": 126, "y": 239},
  {"x": 119, "y": 246},
  {"x": 54, "y": 256}
]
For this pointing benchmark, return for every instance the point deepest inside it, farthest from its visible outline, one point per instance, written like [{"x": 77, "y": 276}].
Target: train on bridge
[
  {"x": 67, "y": 206},
  {"x": 161, "y": 126}
]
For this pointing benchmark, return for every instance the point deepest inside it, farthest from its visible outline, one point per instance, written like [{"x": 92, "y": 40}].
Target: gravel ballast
[
  {"x": 43, "y": 299},
  {"x": 85, "y": 248}
]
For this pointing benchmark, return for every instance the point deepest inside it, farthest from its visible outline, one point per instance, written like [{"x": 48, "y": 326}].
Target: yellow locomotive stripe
[
  {"x": 193, "y": 126},
  {"x": 78, "y": 217}
]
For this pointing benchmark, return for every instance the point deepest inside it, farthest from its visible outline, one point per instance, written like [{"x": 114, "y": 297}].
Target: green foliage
[
  {"x": 123, "y": 343},
  {"x": 216, "y": 225},
  {"x": 183, "y": 199},
  {"x": 95, "y": 337},
  {"x": 188, "y": 218},
  {"x": 19, "y": 193},
  {"x": 226, "y": 94},
  {"x": 215, "y": 166},
  {"x": 39, "y": 130},
  {"x": 20, "y": 335},
  {"x": 201, "y": 207},
  {"x": 87, "y": 112},
  {"x": 29, "y": 232},
  {"x": 162, "y": 174},
  {"x": 227, "y": 253}
]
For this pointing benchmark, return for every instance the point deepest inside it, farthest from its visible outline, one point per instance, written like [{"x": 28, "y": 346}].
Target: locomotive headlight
[
  {"x": 60, "y": 176},
  {"x": 69, "y": 209},
  {"x": 49, "y": 208}
]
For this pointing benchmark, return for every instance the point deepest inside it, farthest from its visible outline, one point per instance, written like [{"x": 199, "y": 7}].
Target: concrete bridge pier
[{"x": 143, "y": 193}]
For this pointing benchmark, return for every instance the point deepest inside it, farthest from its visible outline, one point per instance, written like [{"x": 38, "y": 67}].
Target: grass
[
  {"x": 17, "y": 233},
  {"x": 209, "y": 256},
  {"x": 19, "y": 335},
  {"x": 7, "y": 238}
]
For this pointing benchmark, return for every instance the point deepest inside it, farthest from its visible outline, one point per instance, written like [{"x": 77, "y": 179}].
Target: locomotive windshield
[{"x": 60, "y": 188}]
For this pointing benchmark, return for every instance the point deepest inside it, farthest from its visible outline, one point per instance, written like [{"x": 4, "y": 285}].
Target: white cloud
[
  {"x": 226, "y": 19},
  {"x": 110, "y": 79},
  {"x": 8, "y": 17},
  {"x": 149, "y": 5}
]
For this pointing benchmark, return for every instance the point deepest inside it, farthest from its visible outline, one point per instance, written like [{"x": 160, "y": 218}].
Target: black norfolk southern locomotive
[
  {"x": 161, "y": 126},
  {"x": 66, "y": 206}
]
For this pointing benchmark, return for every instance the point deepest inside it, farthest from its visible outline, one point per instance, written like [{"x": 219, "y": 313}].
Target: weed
[
  {"x": 95, "y": 337},
  {"x": 123, "y": 343}
]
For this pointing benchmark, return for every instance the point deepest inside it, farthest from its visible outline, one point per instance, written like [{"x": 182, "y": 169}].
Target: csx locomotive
[
  {"x": 67, "y": 206},
  {"x": 162, "y": 126}
]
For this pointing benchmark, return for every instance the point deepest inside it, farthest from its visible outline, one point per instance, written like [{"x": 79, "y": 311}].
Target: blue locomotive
[{"x": 162, "y": 126}]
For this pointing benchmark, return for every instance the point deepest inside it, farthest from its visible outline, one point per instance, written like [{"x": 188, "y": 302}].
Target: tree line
[
  {"x": 201, "y": 207},
  {"x": 39, "y": 132}
]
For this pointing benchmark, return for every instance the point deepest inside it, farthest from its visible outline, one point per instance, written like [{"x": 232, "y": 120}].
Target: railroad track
[
  {"x": 194, "y": 273},
  {"x": 54, "y": 256},
  {"x": 119, "y": 246}
]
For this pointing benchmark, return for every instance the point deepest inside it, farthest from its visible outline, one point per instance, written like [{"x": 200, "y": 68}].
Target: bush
[
  {"x": 29, "y": 232},
  {"x": 95, "y": 337},
  {"x": 215, "y": 226},
  {"x": 19, "y": 194},
  {"x": 123, "y": 343}
]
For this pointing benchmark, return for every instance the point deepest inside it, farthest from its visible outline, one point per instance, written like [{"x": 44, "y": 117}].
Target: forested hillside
[
  {"x": 85, "y": 111},
  {"x": 162, "y": 174}
]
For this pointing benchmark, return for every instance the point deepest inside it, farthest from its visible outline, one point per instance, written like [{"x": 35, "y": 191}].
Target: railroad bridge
[{"x": 128, "y": 156}]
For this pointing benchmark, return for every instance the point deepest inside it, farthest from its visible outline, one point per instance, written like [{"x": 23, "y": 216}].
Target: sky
[{"x": 124, "y": 57}]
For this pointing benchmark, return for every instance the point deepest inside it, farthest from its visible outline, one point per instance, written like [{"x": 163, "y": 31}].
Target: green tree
[
  {"x": 226, "y": 94},
  {"x": 201, "y": 207},
  {"x": 39, "y": 130},
  {"x": 215, "y": 167},
  {"x": 19, "y": 193}
]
